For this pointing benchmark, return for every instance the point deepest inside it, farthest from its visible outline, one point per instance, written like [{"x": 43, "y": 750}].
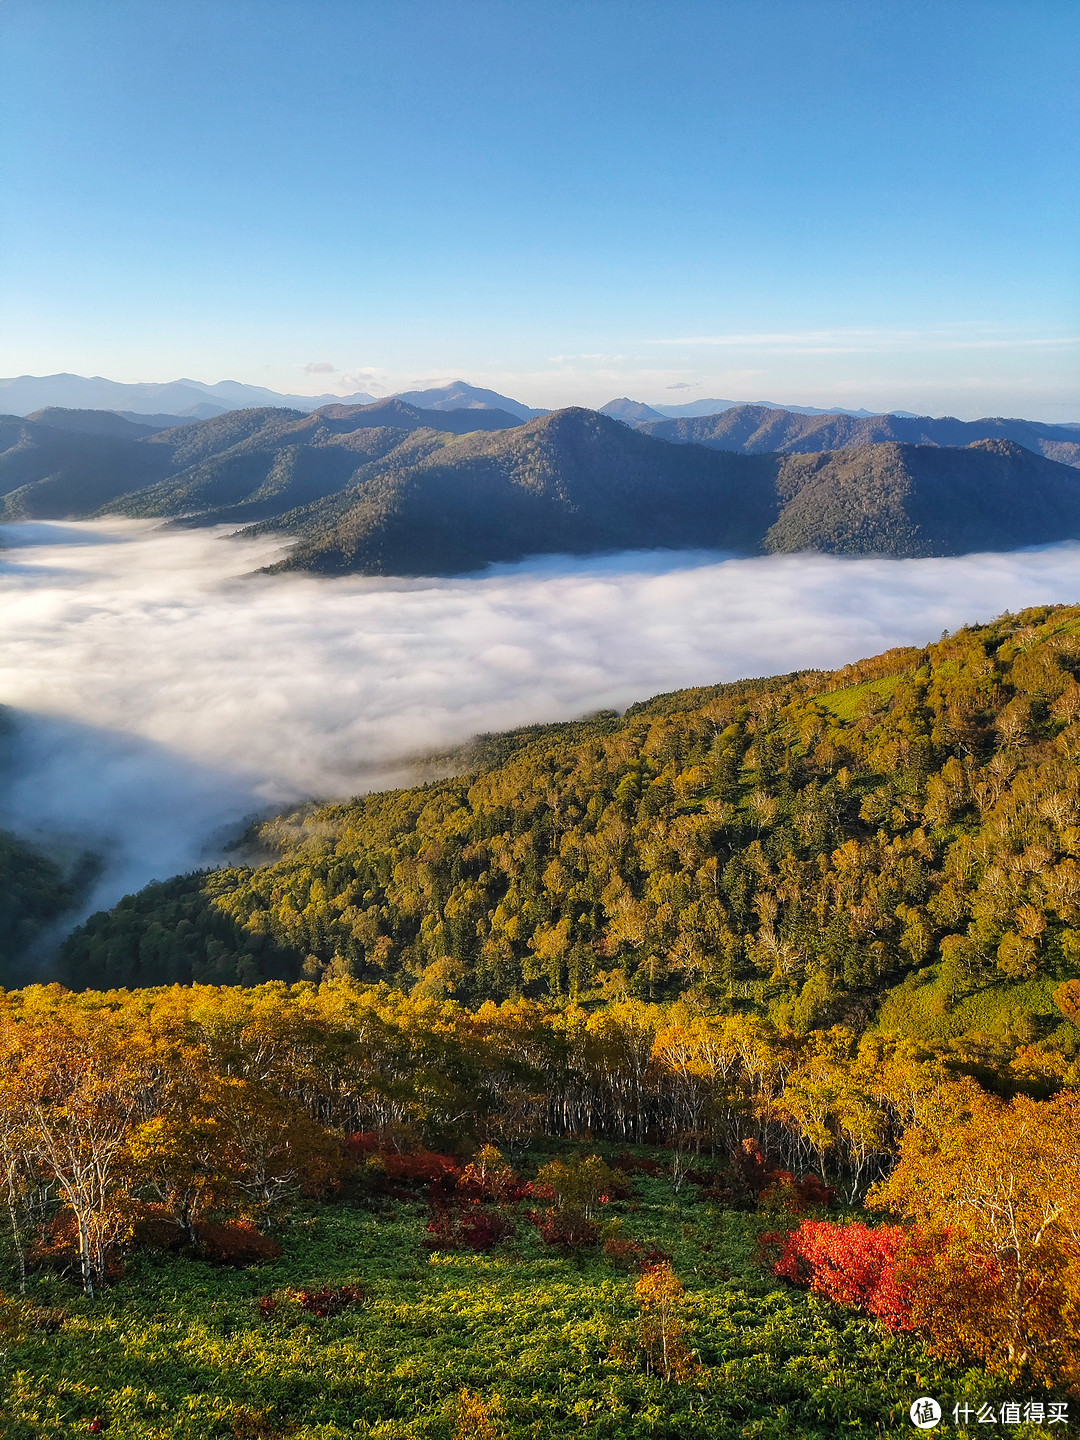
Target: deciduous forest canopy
[{"x": 800, "y": 845}]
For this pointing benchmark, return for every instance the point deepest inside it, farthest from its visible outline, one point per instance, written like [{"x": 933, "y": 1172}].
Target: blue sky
[{"x": 871, "y": 203}]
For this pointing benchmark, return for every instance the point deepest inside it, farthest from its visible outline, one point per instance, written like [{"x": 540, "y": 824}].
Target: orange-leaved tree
[{"x": 993, "y": 1266}]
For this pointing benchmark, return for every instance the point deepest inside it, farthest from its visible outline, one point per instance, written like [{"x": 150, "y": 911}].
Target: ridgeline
[{"x": 391, "y": 488}]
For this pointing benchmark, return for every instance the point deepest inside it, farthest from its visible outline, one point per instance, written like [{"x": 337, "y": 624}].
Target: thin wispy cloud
[
  {"x": 162, "y": 693},
  {"x": 867, "y": 341}
]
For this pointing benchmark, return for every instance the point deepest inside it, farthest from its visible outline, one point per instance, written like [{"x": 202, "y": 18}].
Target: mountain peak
[{"x": 630, "y": 411}]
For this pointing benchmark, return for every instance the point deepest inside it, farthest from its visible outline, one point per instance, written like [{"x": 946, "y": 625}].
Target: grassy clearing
[
  {"x": 923, "y": 1008},
  {"x": 179, "y": 1351},
  {"x": 845, "y": 703}
]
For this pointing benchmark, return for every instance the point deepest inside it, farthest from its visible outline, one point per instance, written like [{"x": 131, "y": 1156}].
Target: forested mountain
[
  {"x": 98, "y": 422},
  {"x": 48, "y": 473},
  {"x": 571, "y": 481},
  {"x": 390, "y": 488},
  {"x": 896, "y": 841},
  {"x": 624, "y": 409},
  {"x": 578, "y": 482},
  {"x": 755, "y": 429},
  {"x": 923, "y": 500},
  {"x": 67, "y": 464},
  {"x": 34, "y": 890}
]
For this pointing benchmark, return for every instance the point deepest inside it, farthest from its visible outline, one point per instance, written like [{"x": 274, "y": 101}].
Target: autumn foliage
[
  {"x": 994, "y": 1189},
  {"x": 988, "y": 1266},
  {"x": 851, "y": 1264},
  {"x": 660, "y": 1337}
]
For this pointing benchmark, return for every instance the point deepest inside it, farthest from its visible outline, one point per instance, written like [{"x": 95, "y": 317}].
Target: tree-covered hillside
[
  {"x": 389, "y": 488},
  {"x": 895, "y": 499},
  {"x": 34, "y": 891},
  {"x": 571, "y": 481},
  {"x": 243, "y": 464},
  {"x": 47, "y": 473},
  {"x": 579, "y": 482},
  {"x": 900, "y": 839},
  {"x": 755, "y": 429}
]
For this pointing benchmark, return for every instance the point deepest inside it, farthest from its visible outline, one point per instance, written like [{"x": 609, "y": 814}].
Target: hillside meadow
[{"x": 521, "y": 1341}]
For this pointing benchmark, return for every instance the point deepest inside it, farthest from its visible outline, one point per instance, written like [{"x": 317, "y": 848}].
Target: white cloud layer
[{"x": 164, "y": 693}]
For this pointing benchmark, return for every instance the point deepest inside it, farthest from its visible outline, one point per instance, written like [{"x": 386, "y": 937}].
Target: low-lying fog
[{"x": 162, "y": 694}]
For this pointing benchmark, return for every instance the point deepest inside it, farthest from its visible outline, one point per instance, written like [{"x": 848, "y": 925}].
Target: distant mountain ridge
[
  {"x": 240, "y": 465},
  {"x": 460, "y": 396},
  {"x": 635, "y": 410},
  {"x": 756, "y": 429},
  {"x": 193, "y": 399},
  {"x": 393, "y": 488}
]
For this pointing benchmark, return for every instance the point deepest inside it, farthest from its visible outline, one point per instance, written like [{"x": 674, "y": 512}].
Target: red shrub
[
  {"x": 234, "y": 1242},
  {"x": 361, "y": 1144},
  {"x": 794, "y": 1197},
  {"x": 534, "y": 1190},
  {"x": 423, "y": 1168},
  {"x": 628, "y": 1164},
  {"x": 156, "y": 1229},
  {"x": 851, "y": 1264},
  {"x": 622, "y": 1252},
  {"x": 471, "y": 1229},
  {"x": 58, "y": 1248},
  {"x": 328, "y": 1300},
  {"x": 653, "y": 1258},
  {"x": 749, "y": 1180},
  {"x": 390, "y": 1173},
  {"x": 488, "y": 1177}
]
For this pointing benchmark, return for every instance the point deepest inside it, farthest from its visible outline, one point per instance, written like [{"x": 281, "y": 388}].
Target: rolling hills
[
  {"x": 755, "y": 429},
  {"x": 577, "y": 482},
  {"x": 572, "y": 481},
  {"x": 64, "y": 464},
  {"x": 393, "y": 488}
]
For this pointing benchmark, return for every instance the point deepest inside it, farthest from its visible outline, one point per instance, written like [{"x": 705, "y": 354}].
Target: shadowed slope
[
  {"x": 573, "y": 482},
  {"x": 924, "y": 500}
]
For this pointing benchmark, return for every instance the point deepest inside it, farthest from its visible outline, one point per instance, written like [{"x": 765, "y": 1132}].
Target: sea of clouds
[{"x": 162, "y": 693}]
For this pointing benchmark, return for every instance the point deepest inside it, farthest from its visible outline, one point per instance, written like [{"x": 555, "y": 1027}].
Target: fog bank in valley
[{"x": 162, "y": 693}]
